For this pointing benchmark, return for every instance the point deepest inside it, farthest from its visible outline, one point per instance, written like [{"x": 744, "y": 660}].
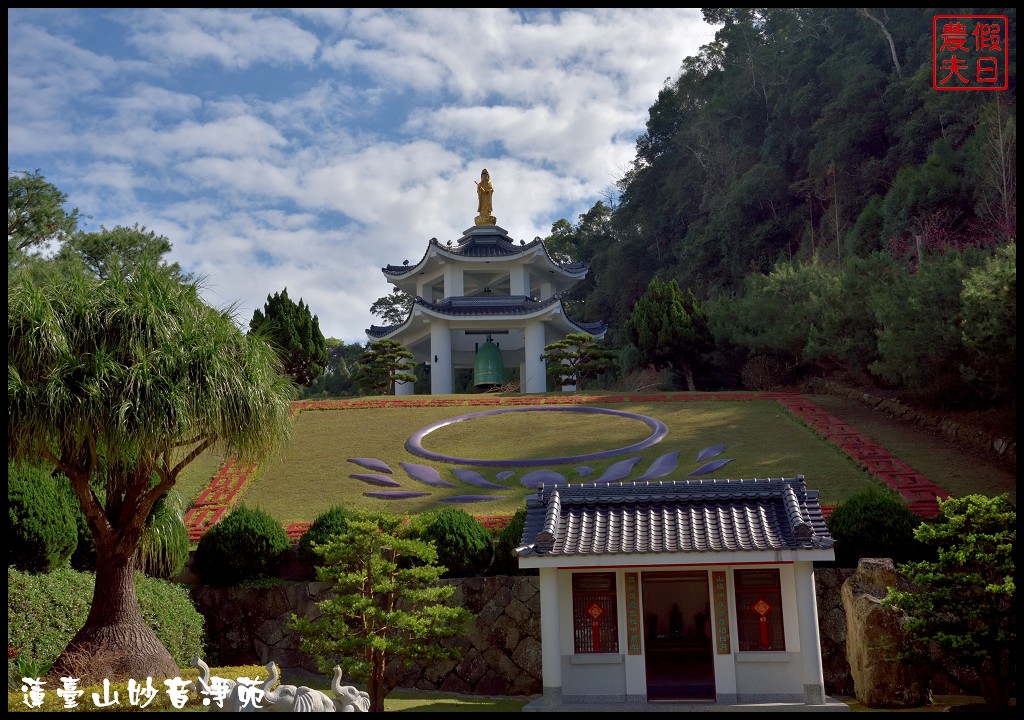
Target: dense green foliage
[
  {"x": 577, "y": 357},
  {"x": 825, "y": 205},
  {"x": 164, "y": 547},
  {"x": 247, "y": 544},
  {"x": 295, "y": 332},
  {"x": 668, "y": 328},
  {"x": 988, "y": 323},
  {"x": 510, "y": 537},
  {"x": 875, "y": 524},
  {"x": 35, "y": 215},
  {"x": 45, "y": 610},
  {"x": 393, "y": 308},
  {"x": 41, "y": 531},
  {"x": 337, "y": 378},
  {"x": 965, "y": 600},
  {"x": 323, "y": 528},
  {"x": 384, "y": 363},
  {"x": 107, "y": 252},
  {"x": 388, "y": 604},
  {"x": 463, "y": 544}
]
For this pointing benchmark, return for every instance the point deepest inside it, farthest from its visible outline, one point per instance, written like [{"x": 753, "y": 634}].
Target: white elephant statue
[
  {"x": 349, "y": 698},
  {"x": 285, "y": 698},
  {"x": 291, "y": 698}
]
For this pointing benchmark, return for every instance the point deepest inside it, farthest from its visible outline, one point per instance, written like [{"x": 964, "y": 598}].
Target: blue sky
[{"x": 309, "y": 148}]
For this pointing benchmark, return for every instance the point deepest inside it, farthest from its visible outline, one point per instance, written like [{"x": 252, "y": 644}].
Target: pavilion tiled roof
[
  {"x": 683, "y": 516},
  {"x": 487, "y": 305},
  {"x": 494, "y": 245}
]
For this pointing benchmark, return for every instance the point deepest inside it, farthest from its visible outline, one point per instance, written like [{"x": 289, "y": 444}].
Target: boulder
[{"x": 874, "y": 637}]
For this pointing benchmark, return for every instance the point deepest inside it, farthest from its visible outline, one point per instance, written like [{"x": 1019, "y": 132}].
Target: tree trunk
[
  {"x": 375, "y": 688},
  {"x": 115, "y": 643},
  {"x": 688, "y": 374}
]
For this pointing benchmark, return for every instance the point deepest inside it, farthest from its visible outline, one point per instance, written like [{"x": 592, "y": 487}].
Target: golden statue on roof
[{"x": 485, "y": 193}]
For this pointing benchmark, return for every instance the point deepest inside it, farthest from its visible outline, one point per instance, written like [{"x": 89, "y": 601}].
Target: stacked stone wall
[{"x": 500, "y": 649}]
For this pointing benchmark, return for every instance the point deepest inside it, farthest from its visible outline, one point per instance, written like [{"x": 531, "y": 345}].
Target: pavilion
[{"x": 484, "y": 293}]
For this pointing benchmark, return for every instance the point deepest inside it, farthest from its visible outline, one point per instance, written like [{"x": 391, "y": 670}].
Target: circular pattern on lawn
[{"x": 415, "y": 442}]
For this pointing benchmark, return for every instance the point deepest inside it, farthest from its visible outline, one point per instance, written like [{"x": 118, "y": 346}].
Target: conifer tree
[
  {"x": 384, "y": 363},
  {"x": 669, "y": 329},
  {"x": 295, "y": 332},
  {"x": 388, "y": 604}
]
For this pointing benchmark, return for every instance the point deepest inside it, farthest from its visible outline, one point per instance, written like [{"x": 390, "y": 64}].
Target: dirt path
[{"x": 958, "y": 471}]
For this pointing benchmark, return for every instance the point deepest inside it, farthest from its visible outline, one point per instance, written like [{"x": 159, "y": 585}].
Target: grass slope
[{"x": 761, "y": 438}]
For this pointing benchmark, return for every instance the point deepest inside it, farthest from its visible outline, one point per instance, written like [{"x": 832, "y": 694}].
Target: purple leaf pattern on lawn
[
  {"x": 425, "y": 474},
  {"x": 538, "y": 477},
  {"x": 394, "y": 494},
  {"x": 372, "y": 464},
  {"x": 661, "y": 467},
  {"x": 710, "y": 452},
  {"x": 474, "y": 478},
  {"x": 711, "y": 466},
  {"x": 619, "y": 470},
  {"x": 375, "y": 479},
  {"x": 505, "y": 474}
]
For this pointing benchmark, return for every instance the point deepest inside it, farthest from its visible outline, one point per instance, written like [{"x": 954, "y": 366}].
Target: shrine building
[{"x": 484, "y": 302}]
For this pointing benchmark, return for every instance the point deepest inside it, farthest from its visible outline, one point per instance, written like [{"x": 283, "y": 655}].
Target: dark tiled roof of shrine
[
  {"x": 682, "y": 516},
  {"x": 496, "y": 245},
  {"x": 487, "y": 305}
]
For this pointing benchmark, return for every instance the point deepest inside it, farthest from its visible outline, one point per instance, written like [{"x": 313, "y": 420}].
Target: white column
[
  {"x": 810, "y": 639},
  {"x": 441, "y": 362},
  {"x": 546, "y": 290},
  {"x": 535, "y": 379},
  {"x": 550, "y": 651},
  {"x": 453, "y": 283},
  {"x": 517, "y": 281}
]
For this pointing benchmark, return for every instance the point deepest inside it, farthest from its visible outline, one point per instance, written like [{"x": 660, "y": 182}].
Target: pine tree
[
  {"x": 388, "y": 604},
  {"x": 295, "y": 332},
  {"x": 669, "y": 329},
  {"x": 384, "y": 363}
]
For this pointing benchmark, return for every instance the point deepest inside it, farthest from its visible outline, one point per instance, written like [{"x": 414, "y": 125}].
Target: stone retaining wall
[{"x": 500, "y": 649}]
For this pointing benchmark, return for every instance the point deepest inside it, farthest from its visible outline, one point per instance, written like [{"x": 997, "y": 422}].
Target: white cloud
[{"x": 308, "y": 148}]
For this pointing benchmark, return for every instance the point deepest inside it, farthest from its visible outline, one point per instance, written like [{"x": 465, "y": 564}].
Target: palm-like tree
[{"x": 135, "y": 370}]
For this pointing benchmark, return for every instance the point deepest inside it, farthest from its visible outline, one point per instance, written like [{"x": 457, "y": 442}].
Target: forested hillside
[{"x": 829, "y": 209}]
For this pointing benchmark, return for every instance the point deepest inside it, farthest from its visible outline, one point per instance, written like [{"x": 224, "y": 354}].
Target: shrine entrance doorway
[{"x": 678, "y": 645}]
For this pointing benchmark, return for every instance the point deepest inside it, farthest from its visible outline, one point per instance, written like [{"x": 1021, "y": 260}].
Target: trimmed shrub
[
  {"x": 45, "y": 611},
  {"x": 246, "y": 545},
  {"x": 41, "y": 533},
  {"x": 463, "y": 545},
  {"x": 327, "y": 524},
  {"x": 875, "y": 523},
  {"x": 507, "y": 540}
]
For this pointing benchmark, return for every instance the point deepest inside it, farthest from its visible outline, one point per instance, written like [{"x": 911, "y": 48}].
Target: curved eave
[
  {"x": 435, "y": 250},
  {"x": 552, "y": 310},
  {"x": 529, "y": 558}
]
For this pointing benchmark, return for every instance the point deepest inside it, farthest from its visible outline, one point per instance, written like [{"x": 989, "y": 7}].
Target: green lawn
[
  {"x": 313, "y": 472},
  {"x": 763, "y": 440}
]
